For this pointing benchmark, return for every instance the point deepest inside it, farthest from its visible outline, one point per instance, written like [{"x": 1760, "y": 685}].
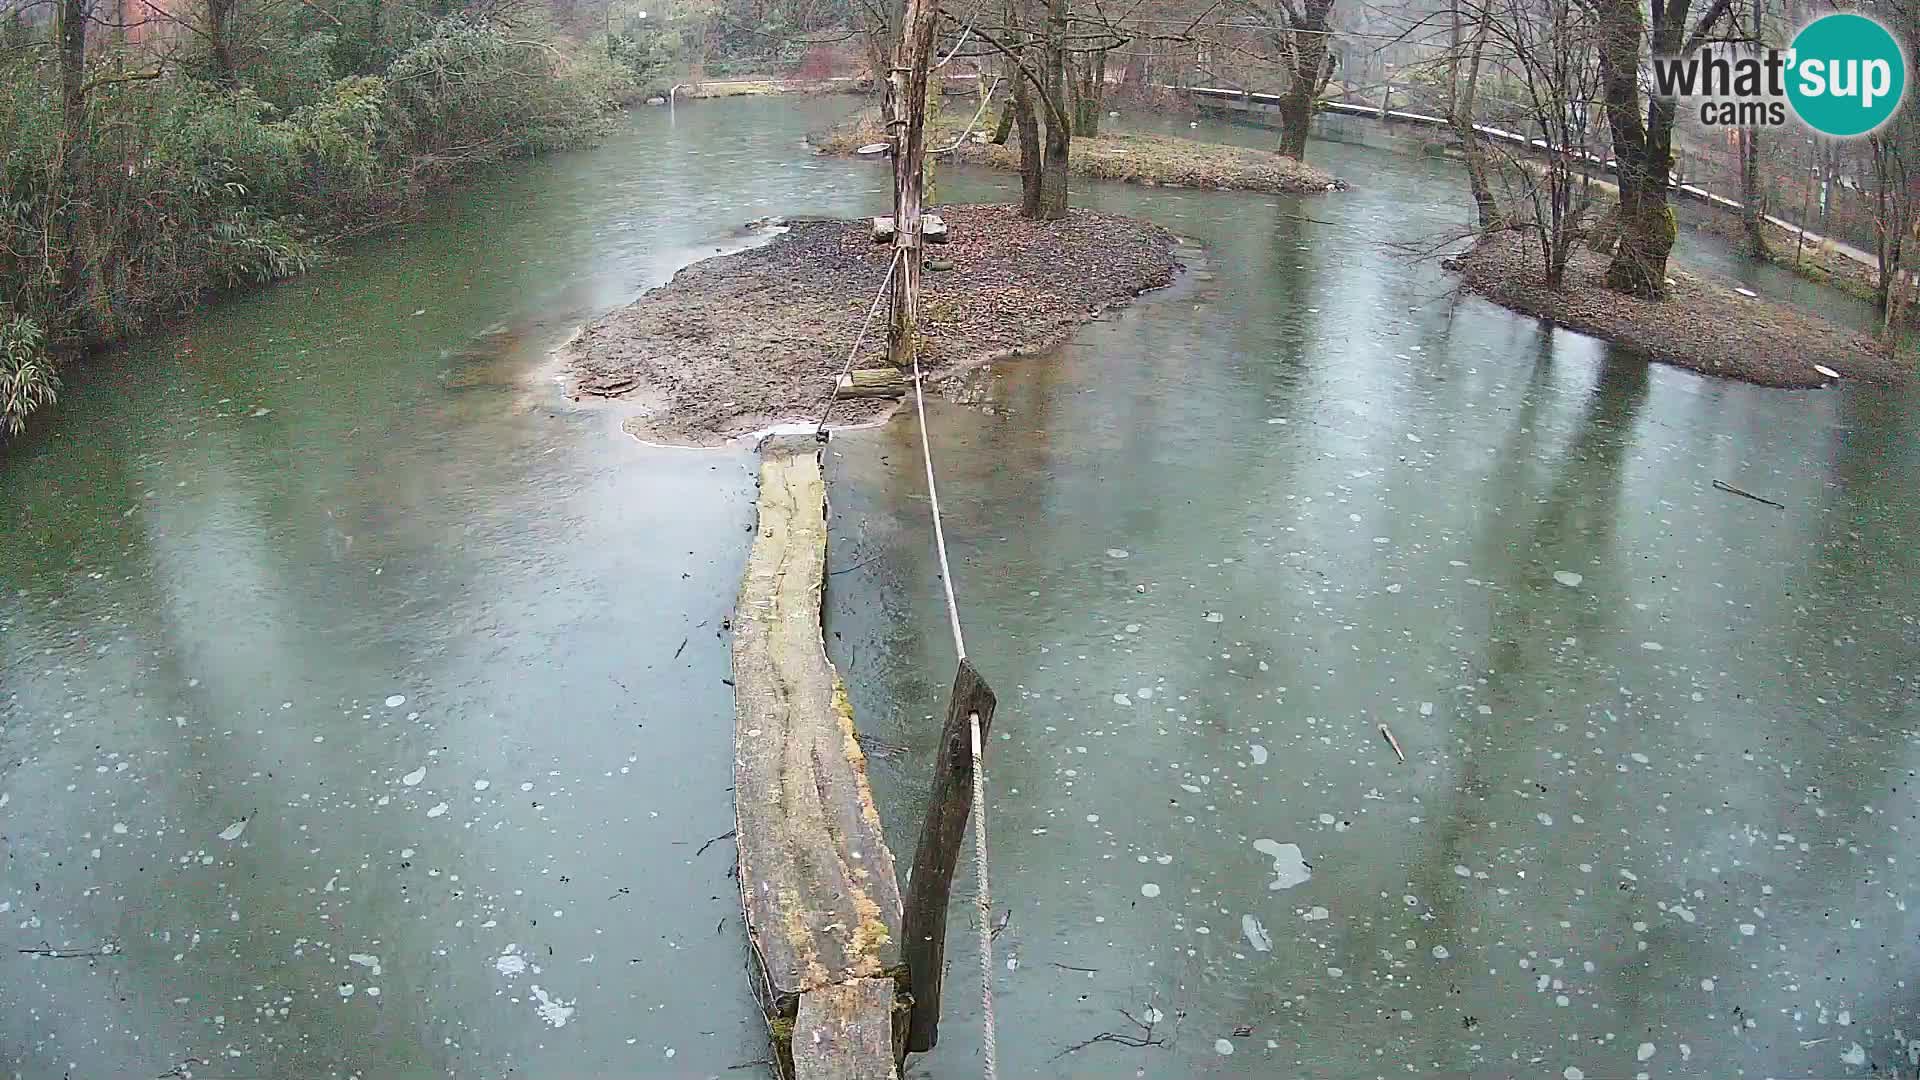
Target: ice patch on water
[
  {"x": 233, "y": 831},
  {"x": 1856, "y": 1055},
  {"x": 1259, "y": 753},
  {"x": 1116, "y": 553},
  {"x": 415, "y": 776},
  {"x": 368, "y": 961},
  {"x": 1214, "y": 616},
  {"x": 437, "y": 809},
  {"x": 1289, "y": 867},
  {"x": 510, "y": 963},
  {"x": 1316, "y": 913},
  {"x": 1646, "y": 1052},
  {"x": 394, "y": 701},
  {"x": 1223, "y": 1047},
  {"x": 1652, "y": 646},
  {"x": 1149, "y": 890},
  {"x": 1257, "y": 935},
  {"x": 551, "y": 1009},
  {"x": 1568, "y": 578}
]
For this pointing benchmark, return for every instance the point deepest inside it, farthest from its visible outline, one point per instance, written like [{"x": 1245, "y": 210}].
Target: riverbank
[
  {"x": 1702, "y": 325},
  {"x": 252, "y": 184},
  {"x": 1130, "y": 157},
  {"x": 769, "y": 86},
  {"x": 739, "y": 343}
]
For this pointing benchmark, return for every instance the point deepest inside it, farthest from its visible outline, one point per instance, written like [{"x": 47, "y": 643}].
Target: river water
[{"x": 339, "y": 655}]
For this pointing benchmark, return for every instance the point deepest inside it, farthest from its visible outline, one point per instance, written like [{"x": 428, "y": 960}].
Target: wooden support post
[
  {"x": 906, "y": 113},
  {"x": 924, "y": 921}
]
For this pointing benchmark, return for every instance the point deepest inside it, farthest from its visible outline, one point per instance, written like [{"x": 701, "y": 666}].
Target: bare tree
[
  {"x": 1300, "y": 34},
  {"x": 1642, "y": 131},
  {"x": 1752, "y": 204}
]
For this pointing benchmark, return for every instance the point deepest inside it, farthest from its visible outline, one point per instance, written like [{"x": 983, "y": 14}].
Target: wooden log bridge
[{"x": 817, "y": 881}]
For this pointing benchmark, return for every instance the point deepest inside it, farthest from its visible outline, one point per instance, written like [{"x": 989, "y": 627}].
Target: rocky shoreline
[
  {"x": 1701, "y": 325},
  {"x": 743, "y": 342}
]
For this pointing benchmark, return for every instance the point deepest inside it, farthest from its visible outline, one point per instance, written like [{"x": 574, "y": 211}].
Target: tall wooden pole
[
  {"x": 906, "y": 114},
  {"x": 923, "y": 920}
]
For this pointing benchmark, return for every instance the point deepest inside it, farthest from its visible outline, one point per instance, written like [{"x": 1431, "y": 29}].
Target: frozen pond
[
  {"x": 1657, "y": 813},
  {"x": 362, "y": 704}
]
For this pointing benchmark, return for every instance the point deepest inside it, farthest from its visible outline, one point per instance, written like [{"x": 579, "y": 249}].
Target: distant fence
[{"x": 1255, "y": 103}]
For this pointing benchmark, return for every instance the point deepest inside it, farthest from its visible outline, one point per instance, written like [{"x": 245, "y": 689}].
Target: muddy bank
[
  {"x": 1701, "y": 325},
  {"x": 738, "y": 343},
  {"x": 1130, "y": 157}
]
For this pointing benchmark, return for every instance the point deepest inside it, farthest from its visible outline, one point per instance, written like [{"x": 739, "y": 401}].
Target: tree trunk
[
  {"x": 1005, "y": 127},
  {"x": 1028, "y": 125},
  {"x": 1642, "y": 153},
  {"x": 1486, "y": 210},
  {"x": 220, "y": 40},
  {"x": 1751, "y": 206},
  {"x": 1310, "y": 65},
  {"x": 907, "y": 89},
  {"x": 1053, "y": 174},
  {"x": 1059, "y": 134},
  {"x": 64, "y": 223},
  {"x": 1089, "y": 83}
]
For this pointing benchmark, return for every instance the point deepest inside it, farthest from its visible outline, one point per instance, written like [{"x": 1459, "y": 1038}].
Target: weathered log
[
  {"x": 844, "y": 1032},
  {"x": 873, "y": 382},
  {"x": 951, "y": 802},
  {"x": 817, "y": 881}
]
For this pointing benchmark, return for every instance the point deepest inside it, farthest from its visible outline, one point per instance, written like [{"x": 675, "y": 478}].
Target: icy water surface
[
  {"x": 363, "y": 700},
  {"x": 1657, "y": 813}
]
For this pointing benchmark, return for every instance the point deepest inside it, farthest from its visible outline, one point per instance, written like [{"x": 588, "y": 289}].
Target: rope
[
  {"x": 983, "y": 897},
  {"x": 860, "y": 339},
  {"x": 984, "y": 901},
  {"x": 933, "y": 496}
]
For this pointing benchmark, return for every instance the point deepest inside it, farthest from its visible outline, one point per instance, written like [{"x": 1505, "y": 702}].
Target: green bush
[
  {"x": 27, "y": 378},
  {"x": 179, "y": 185}
]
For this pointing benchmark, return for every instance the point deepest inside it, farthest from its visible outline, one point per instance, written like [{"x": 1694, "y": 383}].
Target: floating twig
[
  {"x": 47, "y": 950},
  {"x": 855, "y": 566},
  {"x": 1731, "y": 490},
  {"x": 877, "y": 746},
  {"x": 1393, "y": 742},
  {"x": 1145, "y": 1038},
  {"x": 728, "y": 835},
  {"x": 681, "y": 649},
  {"x": 1070, "y": 967},
  {"x": 1002, "y": 924}
]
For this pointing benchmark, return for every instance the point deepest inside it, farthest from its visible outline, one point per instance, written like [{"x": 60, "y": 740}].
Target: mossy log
[{"x": 817, "y": 881}]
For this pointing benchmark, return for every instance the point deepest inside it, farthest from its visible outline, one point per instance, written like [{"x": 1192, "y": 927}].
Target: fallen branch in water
[
  {"x": 1145, "y": 1038},
  {"x": 728, "y": 835},
  {"x": 1393, "y": 742},
  {"x": 1070, "y": 967},
  {"x": 47, "y": 950},
  {"x": 1731, "y": 490}
]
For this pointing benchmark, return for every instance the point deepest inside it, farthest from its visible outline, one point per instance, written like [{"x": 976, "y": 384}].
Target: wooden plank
[
  {"x": 873, "y": 382},
  {"x": 949, "y": 805},
  {"x": 817, "y": 881},
  {"x": 845, "y": 1032}
]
